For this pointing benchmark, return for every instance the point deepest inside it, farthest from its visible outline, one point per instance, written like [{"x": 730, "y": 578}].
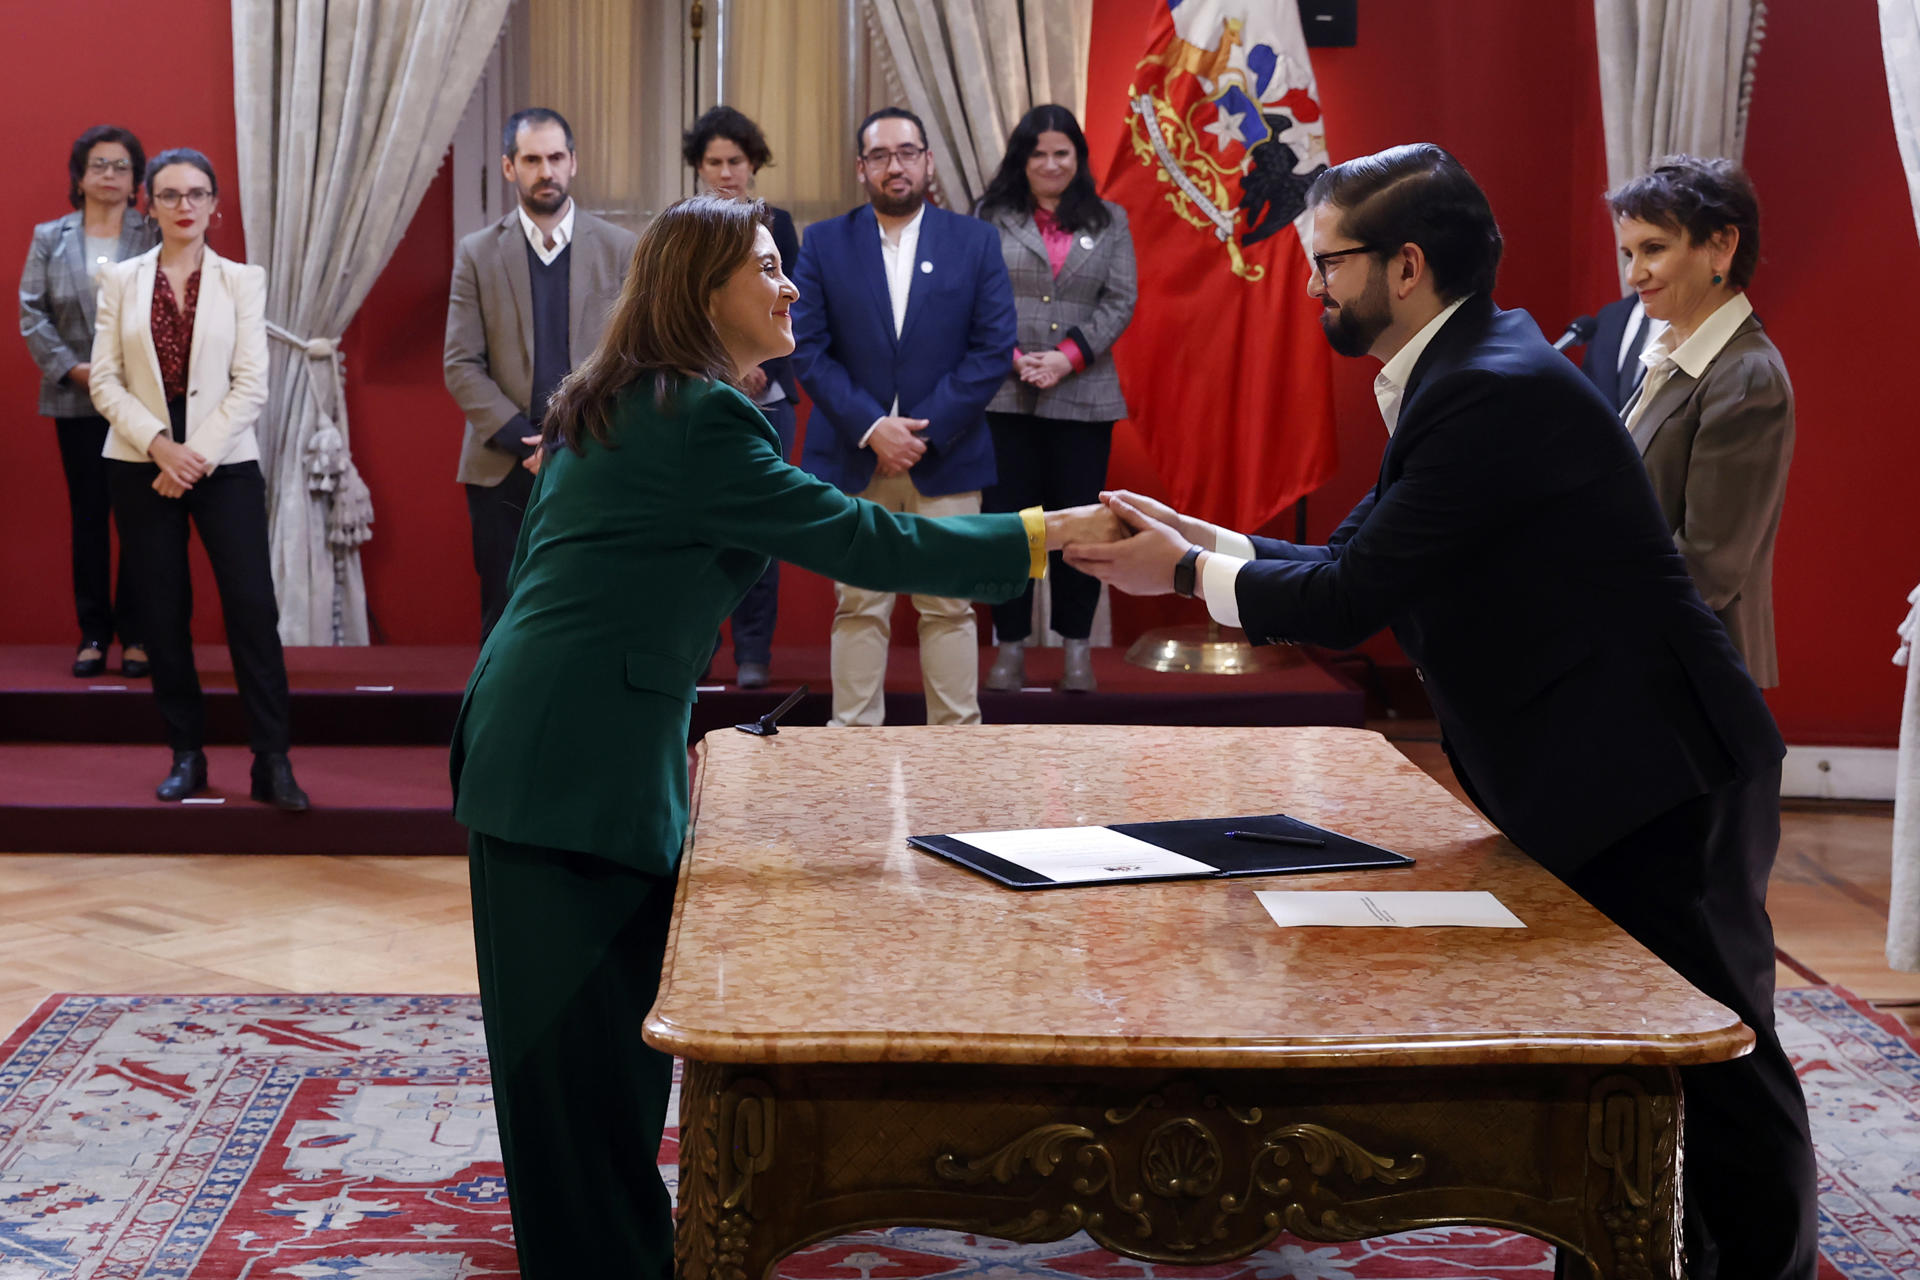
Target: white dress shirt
[
  {"x": 1691, "y": 357},
  {"x": 1232, "y": 550},
  {"x": 562, "y": 234},
  {"x": 897, "y": 256}
]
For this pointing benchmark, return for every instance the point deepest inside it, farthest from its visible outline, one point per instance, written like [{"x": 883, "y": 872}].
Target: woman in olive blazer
[
  {"x": 661, "y": 497},
  {"x": 1714, "y": 418}
]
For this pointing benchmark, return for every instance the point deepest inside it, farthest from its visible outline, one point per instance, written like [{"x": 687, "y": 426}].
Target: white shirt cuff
[
  {"x": 869, "y": 435},
  {"x": 1218, "y": 582},
  {"x": 1238, "y": 545}
]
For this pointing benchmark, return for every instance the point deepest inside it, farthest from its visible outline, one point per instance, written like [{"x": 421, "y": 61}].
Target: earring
[{"x": 1717, "y": 277}]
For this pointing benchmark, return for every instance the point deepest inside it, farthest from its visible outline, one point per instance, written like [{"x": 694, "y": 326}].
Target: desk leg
[{"x": 1189, "y": 1168}]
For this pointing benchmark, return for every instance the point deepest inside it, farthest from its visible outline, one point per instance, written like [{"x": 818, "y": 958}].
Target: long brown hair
[{"x": 660, "y": 327}]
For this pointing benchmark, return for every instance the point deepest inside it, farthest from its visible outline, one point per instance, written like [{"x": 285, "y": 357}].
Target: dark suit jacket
[
  {"x": 787, "y": 241},
  {"x": 1514, "y": 546},
  {"x": 1718, "y": 457},
  {"x": 1601, "y": 360},
  {"x": 573, "y": 732},
  {"x": 952, "y": 354}
]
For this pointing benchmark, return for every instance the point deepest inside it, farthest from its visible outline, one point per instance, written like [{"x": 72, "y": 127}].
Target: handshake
[{"x": 1074, "y": 526}]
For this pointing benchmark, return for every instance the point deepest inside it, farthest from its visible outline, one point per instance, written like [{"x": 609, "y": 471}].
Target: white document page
[
  {"x": 1067, "y": 855},
  {"x": 1396, "y": 910}
]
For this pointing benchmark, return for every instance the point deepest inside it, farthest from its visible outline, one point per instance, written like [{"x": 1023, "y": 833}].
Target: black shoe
[
  {"x": 134, "y": 668},
  {"x": 752, "y": 675},
  {"x": 87, "y": 668},
  {"x": 273, "y": 783},
  {"x": 189, "y": 775}
]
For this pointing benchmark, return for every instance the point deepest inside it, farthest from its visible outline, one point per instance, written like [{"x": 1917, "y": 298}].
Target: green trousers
[{"x": 570, "y": 947}]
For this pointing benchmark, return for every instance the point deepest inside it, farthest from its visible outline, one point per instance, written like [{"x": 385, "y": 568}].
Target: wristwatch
[{"x": 1183, "y": 572}]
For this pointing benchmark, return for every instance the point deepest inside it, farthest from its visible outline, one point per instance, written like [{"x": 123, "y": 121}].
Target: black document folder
[{"x": 1204, "y": 840}]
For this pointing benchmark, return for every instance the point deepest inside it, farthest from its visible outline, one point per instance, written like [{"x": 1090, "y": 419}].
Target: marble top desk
[{"x": 876, "y": 1036}]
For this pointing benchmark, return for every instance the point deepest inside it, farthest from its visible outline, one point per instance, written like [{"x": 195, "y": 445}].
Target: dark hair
[
  {"x": 724, "y": 122},
  {"x": 1081, "y": 208},
  {"x": 181, "y": 155},
  {"x": 659, "y": 327},
  {"x": 1697, "y": 197},
  {"x": 82, "y": 149},
  {"x": 886, "y": 113},
  {"x": 510, "y": 136},
  {"x": 1417, "y": 194}
]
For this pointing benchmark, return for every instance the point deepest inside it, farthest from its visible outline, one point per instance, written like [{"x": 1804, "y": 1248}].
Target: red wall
[{"x": 1505, "y": 84}]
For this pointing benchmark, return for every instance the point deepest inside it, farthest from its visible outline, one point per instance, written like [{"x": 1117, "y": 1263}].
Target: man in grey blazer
[{"x": 531, "y": 296}]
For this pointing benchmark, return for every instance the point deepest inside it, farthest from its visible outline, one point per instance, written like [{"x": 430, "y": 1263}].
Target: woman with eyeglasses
[
  {"x": 1070, "y": 257},
  {"x": 180, "y": 371},
  {"x": 726, "y": 150},
  {"x": 57, "y": 290}
]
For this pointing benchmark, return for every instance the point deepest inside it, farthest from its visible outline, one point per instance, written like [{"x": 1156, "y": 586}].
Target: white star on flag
[{"x": 1226, "y": 128}]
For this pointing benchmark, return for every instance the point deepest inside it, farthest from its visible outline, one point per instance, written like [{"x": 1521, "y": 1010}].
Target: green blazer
[{"x": 573, "y": 731}]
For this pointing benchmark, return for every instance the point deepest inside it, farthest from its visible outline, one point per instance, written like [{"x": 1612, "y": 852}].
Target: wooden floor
[{"x": 111, "y": 923}]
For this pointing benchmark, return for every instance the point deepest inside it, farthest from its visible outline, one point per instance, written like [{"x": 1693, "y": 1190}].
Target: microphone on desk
[
  {"x": 768, "y": 725},
  {"x": 1579, "y": 333}
]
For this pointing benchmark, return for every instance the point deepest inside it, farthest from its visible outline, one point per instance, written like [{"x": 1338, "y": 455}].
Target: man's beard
[
  {"x": 1353, "y": 327},
  {"x": 546, "y": 200},
  {"x": 901, "y": 207}
]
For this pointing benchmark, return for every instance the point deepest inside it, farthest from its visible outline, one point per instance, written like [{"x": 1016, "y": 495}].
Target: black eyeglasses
[
  {"x": 880, "y": 158},
  {"x": 100, "y": 164},
  {"x": 1320, "y": 260}
]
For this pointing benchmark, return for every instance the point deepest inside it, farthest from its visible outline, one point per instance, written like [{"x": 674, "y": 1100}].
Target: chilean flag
[{"x": 1227, "y": 375}]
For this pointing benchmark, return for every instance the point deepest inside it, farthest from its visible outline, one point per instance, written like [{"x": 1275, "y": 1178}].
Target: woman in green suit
[{"x": 660, "y": 500}]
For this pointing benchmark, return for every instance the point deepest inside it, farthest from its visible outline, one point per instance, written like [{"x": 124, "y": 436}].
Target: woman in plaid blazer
[{"x": 1070, "y": 258}]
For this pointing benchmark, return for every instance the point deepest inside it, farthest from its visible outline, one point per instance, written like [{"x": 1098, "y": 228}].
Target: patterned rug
[{"x": 351, "y": 1138}]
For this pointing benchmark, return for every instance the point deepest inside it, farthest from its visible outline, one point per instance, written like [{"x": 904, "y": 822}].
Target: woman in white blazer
[{"x": 180, "y": 374}]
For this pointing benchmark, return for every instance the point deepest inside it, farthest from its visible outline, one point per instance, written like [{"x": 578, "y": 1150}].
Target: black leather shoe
[
  {"x": 189, "y": 775},
  {"x": 273, "y": 783},
  {"x": 86, "y": 668},
  {"x": 136, "y": 668},
  {"x": 752, "y": 675}
]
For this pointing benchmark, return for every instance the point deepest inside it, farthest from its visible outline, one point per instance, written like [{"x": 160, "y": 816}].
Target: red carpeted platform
[
  {"x": 409, "y": 694},
  {"x": 98, "y": 798},
  {"x": 79, "y": 758}
]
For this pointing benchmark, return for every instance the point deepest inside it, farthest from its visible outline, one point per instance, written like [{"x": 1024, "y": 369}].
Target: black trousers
[
  {"x": 1048, "y": 462},
  {"x": 759, "y": 609},
  {"x": 229, "y": 508},
  {"x": 496, "y": 512},
  {"x": 103, "y": 611},
  {"x": 569, "y": 948},
  {"x": 1691, "y": 886}
]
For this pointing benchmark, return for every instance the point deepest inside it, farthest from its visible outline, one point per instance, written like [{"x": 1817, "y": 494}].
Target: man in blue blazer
[
  {"x": 903, "y": 332},
  {"x": 1591, "y": 704}
]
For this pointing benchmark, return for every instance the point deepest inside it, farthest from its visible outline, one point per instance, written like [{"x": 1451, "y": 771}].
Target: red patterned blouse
[{"x": 173, "y": 332}]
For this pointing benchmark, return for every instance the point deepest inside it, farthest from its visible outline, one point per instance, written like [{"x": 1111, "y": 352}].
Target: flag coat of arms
[{"x": 1226, "y": 372}]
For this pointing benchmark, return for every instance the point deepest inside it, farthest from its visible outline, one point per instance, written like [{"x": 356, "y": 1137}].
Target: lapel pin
[
  {"x": 926, "y": 268},
  {"x": 1086, "y": 242}
]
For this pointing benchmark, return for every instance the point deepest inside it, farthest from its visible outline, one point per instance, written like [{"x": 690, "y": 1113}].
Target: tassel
[
  {"x": 350, "y": 513},
  {"x": 326, "y": 457}
]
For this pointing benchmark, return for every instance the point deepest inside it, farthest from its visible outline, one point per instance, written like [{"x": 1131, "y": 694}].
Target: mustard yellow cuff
[{"x": 1035, "y": 519}]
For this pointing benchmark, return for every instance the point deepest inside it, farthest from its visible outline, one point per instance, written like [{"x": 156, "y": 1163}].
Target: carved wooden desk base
[{"x": 1172, "y": 1166}]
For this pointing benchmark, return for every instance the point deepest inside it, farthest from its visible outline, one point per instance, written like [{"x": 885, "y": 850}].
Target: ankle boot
[
  {"x": 188, "y": 776},
  {"x": 1078, "y": 677},
  {"x": 1008, "y": 674},
  {"x": 273, "y": 783}
]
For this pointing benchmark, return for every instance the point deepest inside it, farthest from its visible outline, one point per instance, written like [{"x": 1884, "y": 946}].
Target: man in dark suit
[
  {"x": 1590, "y": 703},
  {"x": 531, "y": 296},
  {"x": 1612, "y": 360},
  {"x": 903, "y": 332}
]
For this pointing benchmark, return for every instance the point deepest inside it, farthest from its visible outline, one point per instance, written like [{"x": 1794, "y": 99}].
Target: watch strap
[{"x": 1183, "y": 583}]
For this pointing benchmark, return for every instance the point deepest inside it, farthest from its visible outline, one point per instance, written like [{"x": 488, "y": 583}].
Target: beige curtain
[
  {"x": 971, "y": 68},
  {"x": 343, "y": 112},
  {"x": 614, "y": 69},
  {"x": 1676, "y": 77},
  {"x": 788, "y": 68}
]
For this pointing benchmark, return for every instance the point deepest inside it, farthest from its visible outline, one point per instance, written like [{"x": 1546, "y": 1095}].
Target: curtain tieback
[{"x": 330, "y": 468}]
